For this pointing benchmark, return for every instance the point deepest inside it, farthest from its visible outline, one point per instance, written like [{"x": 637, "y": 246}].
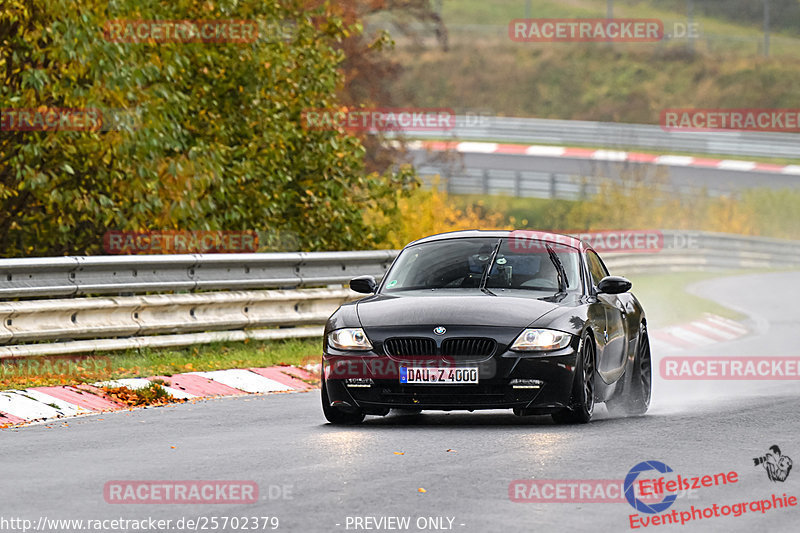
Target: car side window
[{"x": 596, "y": 268}]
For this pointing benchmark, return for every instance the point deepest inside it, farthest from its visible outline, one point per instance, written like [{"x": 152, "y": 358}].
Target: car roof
[{"x": 557, "y": 238}]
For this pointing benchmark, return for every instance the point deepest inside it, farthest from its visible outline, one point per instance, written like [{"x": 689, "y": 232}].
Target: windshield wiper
[
  {"x": 562, "y": 274},
  {"x": 489, "y": 266}
]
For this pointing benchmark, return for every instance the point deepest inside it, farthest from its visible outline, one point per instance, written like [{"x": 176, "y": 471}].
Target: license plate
[{"x": 438, "y": 376}]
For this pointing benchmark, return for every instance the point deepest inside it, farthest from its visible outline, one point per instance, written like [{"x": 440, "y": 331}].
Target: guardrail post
[
  {"x": 518, "y": 184},
  {"x": 553, "y": 186},
  {"x": 486, "y": 181}
]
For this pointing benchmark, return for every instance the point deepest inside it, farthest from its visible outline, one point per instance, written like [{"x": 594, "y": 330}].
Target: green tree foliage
[{"x": 212, "y": 136}]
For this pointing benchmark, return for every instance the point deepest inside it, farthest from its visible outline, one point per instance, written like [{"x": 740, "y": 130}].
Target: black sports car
[{"x": 470, "y": 320}]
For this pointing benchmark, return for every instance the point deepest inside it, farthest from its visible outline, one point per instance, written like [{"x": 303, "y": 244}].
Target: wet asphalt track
[{"x": 464, "y": 462}]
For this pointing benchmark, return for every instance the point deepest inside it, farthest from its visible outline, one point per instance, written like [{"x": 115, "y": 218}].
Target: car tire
[
  {"x": 634, "y": 400},
  {"x": 338, "y": 416},
  {"x": 582, "y": 398}
]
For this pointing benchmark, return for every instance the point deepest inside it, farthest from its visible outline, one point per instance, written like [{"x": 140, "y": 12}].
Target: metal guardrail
[
  {"x": 39, "y": 320},
  {"x": 57, "y": 326},
  {"x": 700, "y": 251},
  {"x": 80, "y": 276},
  {"x": 530, "y": 184},
  {"x": 619, "y": 136}
]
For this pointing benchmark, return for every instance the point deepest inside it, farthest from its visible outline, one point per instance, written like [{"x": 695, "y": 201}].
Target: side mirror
[
  {"x": 613, "y": 285},
  {"x": 364, "y": 284}
]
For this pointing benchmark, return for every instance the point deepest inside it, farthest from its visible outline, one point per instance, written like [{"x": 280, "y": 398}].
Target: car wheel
[
  {"x": 336, "y": 415},
  {"x": 582, "y": 388},
  {"x": 636, "y": 399}
]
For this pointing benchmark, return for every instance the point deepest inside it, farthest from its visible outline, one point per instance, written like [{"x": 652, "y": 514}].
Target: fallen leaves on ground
[{"x": 153, "y": 394}]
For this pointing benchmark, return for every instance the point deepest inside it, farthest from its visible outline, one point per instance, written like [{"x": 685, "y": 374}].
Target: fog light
[
  {"x": 358, "y": 382},
  {"x": 526, "y": 384}
]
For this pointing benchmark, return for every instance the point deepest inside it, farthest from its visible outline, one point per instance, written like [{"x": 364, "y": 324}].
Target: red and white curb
[
  {"x": 36, "y": 404},
  {"x": 602, "y": 155},
  {"x": 711, "y": 329}
]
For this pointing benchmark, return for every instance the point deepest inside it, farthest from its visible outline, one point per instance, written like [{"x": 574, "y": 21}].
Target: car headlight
[
  {"x": 349, "y": 339},
  {"x": 540, "y": 340}
]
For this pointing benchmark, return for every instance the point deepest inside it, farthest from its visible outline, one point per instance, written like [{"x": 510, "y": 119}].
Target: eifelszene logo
[
  {"x": 636, "y": 503},
  {"x": 777, "y": 466}
]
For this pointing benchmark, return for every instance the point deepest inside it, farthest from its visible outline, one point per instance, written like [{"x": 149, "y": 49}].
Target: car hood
[{"x": 424, "y": 308}]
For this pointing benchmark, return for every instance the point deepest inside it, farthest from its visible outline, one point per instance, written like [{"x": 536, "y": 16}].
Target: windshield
[{"x": 462, "y": 264}]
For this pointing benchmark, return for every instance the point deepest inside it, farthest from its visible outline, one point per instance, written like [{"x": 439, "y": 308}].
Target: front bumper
[{"x": 377, "y": 392}]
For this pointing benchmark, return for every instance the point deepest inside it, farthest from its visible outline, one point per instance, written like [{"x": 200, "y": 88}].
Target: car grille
[
  {"x": 409, "y": 346},
  {"x": 470, "y": 347},
  {"x": 458, "y": 347}
]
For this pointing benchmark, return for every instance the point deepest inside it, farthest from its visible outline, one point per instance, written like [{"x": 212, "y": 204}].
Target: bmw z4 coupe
[{"x": 521, "y": 320}]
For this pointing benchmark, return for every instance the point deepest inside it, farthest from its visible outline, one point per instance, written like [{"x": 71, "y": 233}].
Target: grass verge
[{"x": 666, "y": 301}]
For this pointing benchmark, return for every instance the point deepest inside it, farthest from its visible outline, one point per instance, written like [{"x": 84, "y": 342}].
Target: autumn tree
[{"x": 212, "y": 136}]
